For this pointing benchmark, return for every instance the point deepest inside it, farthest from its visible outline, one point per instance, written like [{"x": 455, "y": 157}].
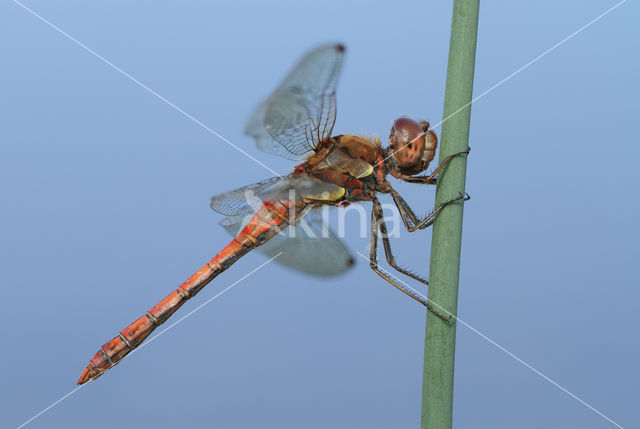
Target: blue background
[{"x": 105, "y": 192}]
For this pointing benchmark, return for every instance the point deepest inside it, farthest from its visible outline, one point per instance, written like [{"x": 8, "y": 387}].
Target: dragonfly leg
[
  {"x": 377, "y": 210},
  {"x": 373, "y": 263},
  {"x": 411, "y": 221},
  {"x": 431, "y": 179},
  {"x": 407, "y": 215}
]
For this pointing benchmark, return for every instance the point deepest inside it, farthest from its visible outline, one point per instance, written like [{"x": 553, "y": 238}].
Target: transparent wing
[
  {"x": 247, "y": 200},
  {"x": 301, "y": 112},
  {"x": 255, "y": 128},
  {"x": 310, "y": 247}
]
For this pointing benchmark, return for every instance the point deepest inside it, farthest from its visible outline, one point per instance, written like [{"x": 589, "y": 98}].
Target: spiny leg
[
  {"x": 432, "y": 179},
  {"x": 411, "y": 221},
  {"x": 378, "y": 214},
  {"x": 407, "y": 215},
  {"x": 373, "y": 263}
]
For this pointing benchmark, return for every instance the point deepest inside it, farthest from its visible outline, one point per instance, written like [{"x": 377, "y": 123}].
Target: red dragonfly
[{"x": 296, "y": 121}]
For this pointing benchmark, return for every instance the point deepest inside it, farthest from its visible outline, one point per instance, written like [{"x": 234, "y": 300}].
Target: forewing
[
  {"x": 255, "y": 128},
  {"x": 301, "y": 112},
  {"x": 310, "y": 247},
  {"x": 248, "y": 199}
]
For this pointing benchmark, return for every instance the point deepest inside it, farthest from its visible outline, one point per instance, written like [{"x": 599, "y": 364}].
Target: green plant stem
[{"x": 440, "y": 338}]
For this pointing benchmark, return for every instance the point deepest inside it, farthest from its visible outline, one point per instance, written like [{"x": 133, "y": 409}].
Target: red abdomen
[{"x": 267, "y": 222}]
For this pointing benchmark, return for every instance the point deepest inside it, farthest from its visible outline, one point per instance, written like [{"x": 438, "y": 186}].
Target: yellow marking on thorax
[
  {"x": 345, "y": 163},
  {"x": 335, "y": 194}
]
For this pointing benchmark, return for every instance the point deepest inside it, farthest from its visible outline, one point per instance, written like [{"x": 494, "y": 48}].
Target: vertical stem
[{"x": 437, "y": 389}]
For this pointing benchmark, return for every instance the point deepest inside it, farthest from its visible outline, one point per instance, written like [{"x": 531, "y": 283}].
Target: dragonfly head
[{"x": 412, "y": 145}]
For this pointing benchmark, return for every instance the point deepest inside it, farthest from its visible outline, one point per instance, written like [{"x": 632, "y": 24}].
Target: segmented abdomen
[{"x": 268, "y": 221}]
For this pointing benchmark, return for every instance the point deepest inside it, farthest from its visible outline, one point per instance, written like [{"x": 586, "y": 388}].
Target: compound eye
[{"x": 407, "y": 141}]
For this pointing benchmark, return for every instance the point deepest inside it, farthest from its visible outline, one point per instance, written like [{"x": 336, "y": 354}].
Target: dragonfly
[{"x": 296, "y": 121}]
